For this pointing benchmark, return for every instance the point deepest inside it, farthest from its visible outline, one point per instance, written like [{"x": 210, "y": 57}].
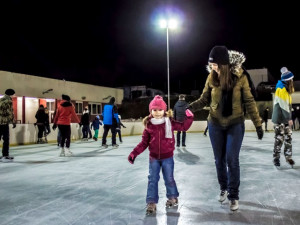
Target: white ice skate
[
  {"x": 234, "y": 205},
  {"x": 62, "y": 152},
  {"x": 104, "y": 146},
  {"x": 6, "y": 159},
  {"x": 223, "y": 195},
  {"x": 68, "y": 152}
]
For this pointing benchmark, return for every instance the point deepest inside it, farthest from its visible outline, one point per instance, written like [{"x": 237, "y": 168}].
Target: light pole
[{"x": 168, "y": 24}]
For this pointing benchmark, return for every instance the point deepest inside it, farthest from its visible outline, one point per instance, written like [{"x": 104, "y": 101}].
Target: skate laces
[
  {"x": 172, "y": 201},
  {"x": 223, "y": 192}
]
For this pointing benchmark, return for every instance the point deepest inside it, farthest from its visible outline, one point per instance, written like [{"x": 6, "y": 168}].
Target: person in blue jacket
[{"x": 110, "y": 121}]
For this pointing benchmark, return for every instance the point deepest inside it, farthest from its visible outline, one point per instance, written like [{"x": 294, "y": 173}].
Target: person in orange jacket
[{"x": 63, "y": 116}]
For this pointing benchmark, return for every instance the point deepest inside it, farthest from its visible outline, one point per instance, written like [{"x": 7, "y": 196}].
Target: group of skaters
[
  {"x": 226, "y": 92},
  {"x": 66, "y": 111}
]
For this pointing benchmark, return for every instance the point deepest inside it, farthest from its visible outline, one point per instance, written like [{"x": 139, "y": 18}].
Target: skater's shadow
[
  {"x": 150, "y": 220},
  {"x": 172, "y": 215},
  {"x": 94, "y": 153},
  {"x": 288, "y": 167},
  {"x": 39, "y": 162},
  {"x": 187, "y": 157},
  {"x": 249, "y": 213}
]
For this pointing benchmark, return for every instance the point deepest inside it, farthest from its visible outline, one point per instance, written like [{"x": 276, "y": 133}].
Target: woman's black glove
[{"x": 260, "y": 132}]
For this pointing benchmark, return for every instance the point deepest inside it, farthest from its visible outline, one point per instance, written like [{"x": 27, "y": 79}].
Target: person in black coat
[
  {"x": 266, "y": 117},
  {"x": 179, "y": 115},
  {"x": 85, "y": 122},
  {"x": 40, "y": 122}
]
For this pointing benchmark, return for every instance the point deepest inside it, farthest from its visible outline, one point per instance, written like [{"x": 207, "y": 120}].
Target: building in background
[
  {"x": 31, "y": 91},
  {"x": 134, "y": 92}
]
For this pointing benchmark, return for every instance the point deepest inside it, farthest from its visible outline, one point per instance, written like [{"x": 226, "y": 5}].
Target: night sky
[{"x": 118, "y": 42}]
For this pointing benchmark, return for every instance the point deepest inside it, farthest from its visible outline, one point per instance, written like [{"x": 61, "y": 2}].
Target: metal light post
[{"x": 170, "y": 24}]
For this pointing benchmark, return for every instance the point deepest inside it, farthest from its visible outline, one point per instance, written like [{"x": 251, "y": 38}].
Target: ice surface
[{"x": 99, "y": 186}]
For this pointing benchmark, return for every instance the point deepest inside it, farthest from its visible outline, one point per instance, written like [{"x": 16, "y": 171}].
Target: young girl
[
  {"x": 158, "y": 136},
  {"x": 282, "y": 117}
]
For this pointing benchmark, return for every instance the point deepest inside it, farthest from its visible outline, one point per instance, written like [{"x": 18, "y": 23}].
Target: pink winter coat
[{"x": 153, "y": 137}]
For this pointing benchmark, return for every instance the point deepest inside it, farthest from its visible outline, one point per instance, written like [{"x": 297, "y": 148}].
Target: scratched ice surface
[{"x": 98, "y": 186}]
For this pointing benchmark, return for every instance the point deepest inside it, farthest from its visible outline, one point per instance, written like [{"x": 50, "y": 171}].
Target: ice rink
[{"x": 99, "y": 186}]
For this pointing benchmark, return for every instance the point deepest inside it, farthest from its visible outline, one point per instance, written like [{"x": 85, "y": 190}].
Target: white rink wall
[{"x": 27, "y": 133}]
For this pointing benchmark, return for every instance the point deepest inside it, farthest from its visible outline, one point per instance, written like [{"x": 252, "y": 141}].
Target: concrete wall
[
  {"x": 34, "y": 86},
  {"x": 27, "y": 133}
]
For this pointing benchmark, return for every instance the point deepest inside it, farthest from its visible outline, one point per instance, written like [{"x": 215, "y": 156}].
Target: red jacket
[
  {"x": 64, "y": 113},
  {"x": 153, "y": 137}
]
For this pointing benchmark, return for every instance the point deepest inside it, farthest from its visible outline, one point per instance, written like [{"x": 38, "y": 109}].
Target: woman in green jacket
[{"x": 226, "y": 91}]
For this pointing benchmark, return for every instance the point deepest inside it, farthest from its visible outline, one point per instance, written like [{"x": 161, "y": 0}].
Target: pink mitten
[{"x": 189, "y": 113}]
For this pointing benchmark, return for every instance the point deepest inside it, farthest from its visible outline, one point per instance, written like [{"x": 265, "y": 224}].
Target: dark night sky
[{"x": 115, "y": 43}]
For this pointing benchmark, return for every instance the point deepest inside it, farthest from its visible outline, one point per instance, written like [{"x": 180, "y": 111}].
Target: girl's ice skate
[
  {"x": 172, "y": 202},
  {"x": 290, "y": 161},
  {"x": 151, "y": 209}
]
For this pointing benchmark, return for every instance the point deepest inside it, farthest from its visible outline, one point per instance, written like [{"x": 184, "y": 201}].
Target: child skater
[
  {"x": 120, "y": 124},
  {"x": 158, "y": 135},
  {"x": 96, "y": 125},
  {"x": 282, "y": 117}
]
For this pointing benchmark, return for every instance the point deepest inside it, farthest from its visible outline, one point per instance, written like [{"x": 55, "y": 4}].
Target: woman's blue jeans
[
  {"x": 167, "y": 166},
  {"x": 226, "y": 143}
]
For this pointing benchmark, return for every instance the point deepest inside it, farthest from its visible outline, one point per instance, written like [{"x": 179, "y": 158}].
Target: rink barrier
[{"x": 27, "y": 133}]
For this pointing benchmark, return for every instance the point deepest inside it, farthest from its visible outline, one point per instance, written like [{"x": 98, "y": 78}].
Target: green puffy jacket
[{"x": 212, "y": 96}]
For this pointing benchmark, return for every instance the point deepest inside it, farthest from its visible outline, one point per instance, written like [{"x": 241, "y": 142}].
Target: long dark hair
[
  {"x": 290, "y": 86},
  {"x": 225, "y": 80}
]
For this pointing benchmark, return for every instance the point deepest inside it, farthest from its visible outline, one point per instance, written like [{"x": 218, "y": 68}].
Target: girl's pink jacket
[{"x": 153, "y": 137}]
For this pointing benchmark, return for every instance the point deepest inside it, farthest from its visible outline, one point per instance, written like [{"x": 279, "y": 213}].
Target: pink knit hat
[{"x": 157, "y": 103}]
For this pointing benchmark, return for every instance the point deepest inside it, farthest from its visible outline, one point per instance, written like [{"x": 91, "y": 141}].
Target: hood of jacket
[
  {"x": 65, "y": 103},
  {"x": 6, "y": 98},
  {"x": 236, "y": 60}
]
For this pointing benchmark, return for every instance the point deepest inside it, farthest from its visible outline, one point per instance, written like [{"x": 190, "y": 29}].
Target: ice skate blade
[
  {"x": 7, "y": 160},
  {"x": 232, "y": 212}
]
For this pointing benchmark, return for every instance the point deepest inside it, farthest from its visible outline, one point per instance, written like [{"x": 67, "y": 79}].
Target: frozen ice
[{"x": 99, "y": 186}]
